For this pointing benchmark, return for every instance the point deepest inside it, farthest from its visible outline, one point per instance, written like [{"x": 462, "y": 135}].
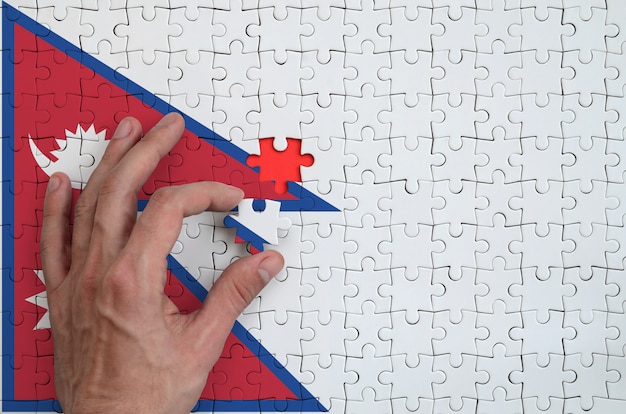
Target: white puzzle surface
[{"x": 475, "y": 152}]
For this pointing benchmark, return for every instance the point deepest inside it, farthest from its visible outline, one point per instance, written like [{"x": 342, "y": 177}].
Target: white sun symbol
[{"x": 78, "y": 154}]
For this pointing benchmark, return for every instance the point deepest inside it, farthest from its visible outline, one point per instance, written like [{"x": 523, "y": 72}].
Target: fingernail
[
  {"x": 270, "y": 267},
  {"x": 123, "y": 129},
  {"x": 53, "y": 183},
  {"x": 167, "y": 119}
]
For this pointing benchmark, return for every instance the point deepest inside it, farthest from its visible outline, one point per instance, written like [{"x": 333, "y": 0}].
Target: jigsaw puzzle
[{"x": 446, "y": 181}]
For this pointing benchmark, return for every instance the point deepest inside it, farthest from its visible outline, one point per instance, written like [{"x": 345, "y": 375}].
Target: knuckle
[
  {"x": 164, "y": 197},
  {"x": 110, "y": 185},
  {"x": 240, "y": 295},
  {"x": 84, "y": 206},
  {"x": 118, "y": 284},
  {"x": 164, "y": 193},
  {"x": 50, "y": 212},
  {"x": 47, "y": 247},
  {"x": 88, "y": 285}
]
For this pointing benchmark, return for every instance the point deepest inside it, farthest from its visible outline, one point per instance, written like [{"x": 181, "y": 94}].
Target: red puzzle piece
[{"x": 280, "y": 166}]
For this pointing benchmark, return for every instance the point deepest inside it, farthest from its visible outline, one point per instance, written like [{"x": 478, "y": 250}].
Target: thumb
[{"x": 240, "y": 283}]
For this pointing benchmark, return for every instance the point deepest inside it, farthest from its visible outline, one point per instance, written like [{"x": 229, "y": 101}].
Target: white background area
[{"x": 476, "y": 151}]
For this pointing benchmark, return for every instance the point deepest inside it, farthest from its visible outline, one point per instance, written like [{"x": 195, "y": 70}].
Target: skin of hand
[{"x": 120, "y": 345}]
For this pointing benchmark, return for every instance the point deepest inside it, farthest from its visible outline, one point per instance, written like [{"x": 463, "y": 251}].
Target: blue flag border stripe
[
  {"x": 307, "y": 401},
  {"x": 8, "y": 249},
  {"x": 11, "y": 16},
  {"x": 245, "y": 233},
  {"x": 305, "y": 200}
]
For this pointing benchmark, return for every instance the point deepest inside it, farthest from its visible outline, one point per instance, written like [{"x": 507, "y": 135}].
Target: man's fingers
[
  {"x": 240, "y": 283},
  {"x": 116, "y": 211},
  {"x": 55, "y": 232},
  {"x": 159, "y": 225},
  {"x": 127, "y": 134}
]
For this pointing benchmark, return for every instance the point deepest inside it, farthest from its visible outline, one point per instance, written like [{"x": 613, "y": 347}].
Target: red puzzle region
[{"x": 280, "y": 166}]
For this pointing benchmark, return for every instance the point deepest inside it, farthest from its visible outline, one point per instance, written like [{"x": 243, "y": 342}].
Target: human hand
[{"x": 120, "y": 345}]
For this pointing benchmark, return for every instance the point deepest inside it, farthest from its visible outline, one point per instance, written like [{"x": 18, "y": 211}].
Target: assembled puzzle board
[{"x": 445, "y": 179}]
